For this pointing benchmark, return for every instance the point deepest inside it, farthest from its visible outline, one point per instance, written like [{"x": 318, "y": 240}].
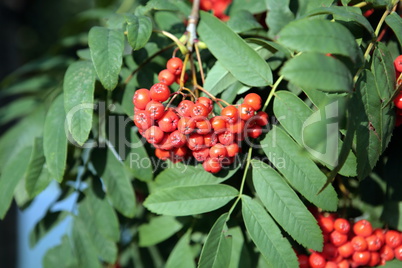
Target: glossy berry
[
  {"x": 212, "y": 165},
  {"x": 201, "y": 155},
  {"x": 386, "y": 253},
  {"x": 174, "y": 65},
  {"x": 362, "y": 228},
  {"x": 316, "y": 260},
  {"x": 373, "y": 242},
  {"x": 195, "y": 141},
  {"x": 141, "y": 98},
  {"x": 343, "y": 264},
  {"x": 231, "y": 114},
  {"x": 218, "y": 123},
  {"x": 199, "y": 110},
  {"x": 331, "y": 264},
  {"x": 254, "y": 100},
  {"x": 361, "y": 258},
  {"x": 237, "y": 127},
  {"x": 254, "y": 132},
  {"x": 374, "y": 259},
  {"x": 177, "y": 139},
  {"x": 142, "y": 120},
  {"x": 203, "y": 126},
  {"x": 156, "y": 109},
  {"x": 393, "y": 238},
  {"x": 342, "y": 225},
  {"x": 326, "y": 223},
  {"x": 346, "y": 250},
  {"x": 246, "y": 111},
  {"x": 166, "y": 77},
  {"x": 168, "y": 122},
  {"x": 159, "y": 92},
  {"x": 154, "y": 134},
  {"x": 261, "y": 118},
  {"x": 329, "y": 251},
  {"x": 162, "y": 154},
  {"x": 218, "y": 151},
  {"x": 186, "y": 125},
  {"x": 359, "y": 243},
  {"x": 181, "y": 151},
  {"x": 232, "y": 149},
  {"x": 184, "y": 108},
  {"x": 226, "y": 137},
  {"x": 398, "y": 100},
  {"x": 210, "y": 139},
  {"x": 398, "y": 63},
  {"x": 207, "y": 102},
  {"x": 398, "y": 252},
  {"x": 337, "y": 238}
]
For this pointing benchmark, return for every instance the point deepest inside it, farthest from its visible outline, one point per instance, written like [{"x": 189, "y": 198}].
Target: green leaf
[
  {"x": 190, "y": 200},
  {"x": 139, "y": 30},
  {"x": 116, "y": 181},
  {"x": 301, "y": 172},
  {"x": 216, "y": 251},
  {"x": 237, "y": 57},
  {"x": 279, "y": 15},
  {"x": 218, "y": 79},
  {"x": 392, "y": 214},
  {"x": 243, "y": 21},
  {"x": 107, "y": 46},
  {"x": 327, "y": 37},
  {"x": 240, "y": 256},
  {"x": 181, "y": 255},
  {"x": 45, "y": 225},
  {"x": 373, "y": 131},
  {"x": 157, "y": 230},
  {"x": 14, "y": 171},
  {"x": 314, "y": 70},
  {"x": 36, "y": 177},
  {"x": 186, "y": 175},
  {"x": 17, "y": 109},
  {"x": 138, "y": 161},
  {"x": 79, "y": 86},
  {"x": 266, "y": 235},
  {"x": 160, "y": 5},
  {"x": 60, "y": 256},
  {"x": 305, "y": 6},
  {"x": 348, "y": 14},
  {"x": 55, "y": 139},
  {"x": 83, "y": 247},
  {"x": 394, "y": 21},
  {"x": 383, "y": 70},
  {"x": 285, "y": 206},
  {"x": 252, "y": 6}
]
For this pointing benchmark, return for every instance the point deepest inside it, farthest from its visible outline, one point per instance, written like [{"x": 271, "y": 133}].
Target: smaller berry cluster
[
  {"x": 398, "y": 99},
  {"x": 352, "y": 245},
  {"x": 191, "y": 129}
]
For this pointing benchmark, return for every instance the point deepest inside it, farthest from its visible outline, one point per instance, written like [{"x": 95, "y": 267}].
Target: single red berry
[
  {"x": 195, "y": 141},
  {"x": 237, "y": 127},
  {"x": 166, "y": 77},
  {"x": 177, "y": 139},
  {"x": 159, "y": 92},
  {"x": 218, "y": 123},
  {"x": 226, "y": 137},
  {"x": 362, "y": 228},
  {"x": 212, "y": 165},
  {"x": 346, "y": 250},
  {"x": 254, "y": 132},
  {"x": 342, "y": 225},
  {"x": 185, "y": 78},
  {"x": 165, "y": 144},
  {"x": 331, "y": 264},
  {"x": 380, "y": 233},
  {"x": 359, "y": 243},
  {"x": 398, "y": 252},
  {"x": 218, "y": 151},
  {"x": 303, "y": 261},
  {"x": 231, "y": 114},
  {"x": 162, "y": 154},
  {"x": 181, "y": 151},
  {"x": 141, "y": 98},
  {"x": 246, "y": 111},
  {"x": 210, "y": 139},
  {"x": 199, "y": 110},
  {"x": 330, "y": 252},
  {"x": 254, "y": 100},
  {"x": 343, "y": 264},
  {"x": 393, "y": 238},
  {"x": 156, "y": 109},
  {"x": 316, "y": 260},
  {"x": 361, "y": 258},
  {"x": 184, "y": 108},
  {"x": 337, "y": 238},
  {"x": 186, "y": 125},
  {"x": 233, "y": 149},
  {"x": 398, "y": 100},
  {"x": 373, "y": 242},
  {"x": 203, "y": 126},
  {"x": 154, "y": 134},
  {"x": 174, "y": 65},
  {"x": 261, "y": 118},
  {"x": 168, "y": 122},
  {"x": 201, "y": 155},
  {"x": 207, "y": 102},
  {"x": 386, "y": 253},
  {"x": 142, "y": 120},
  {"x": 398, "y": 63},
  {"x": 374, "y": 259}
]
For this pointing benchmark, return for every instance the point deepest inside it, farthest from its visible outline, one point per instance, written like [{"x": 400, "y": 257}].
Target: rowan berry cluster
[
  {"x": 398, "y": 99},
  {"x": 355, "y": 244},
  {"x": 191, "y": 129}
]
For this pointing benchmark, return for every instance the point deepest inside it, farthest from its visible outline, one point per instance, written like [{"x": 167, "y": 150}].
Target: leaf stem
[
  {"x": 271, "y": 94},
  {"x": 243, "y": 180},
  {"x": 181, "y": 46}
]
